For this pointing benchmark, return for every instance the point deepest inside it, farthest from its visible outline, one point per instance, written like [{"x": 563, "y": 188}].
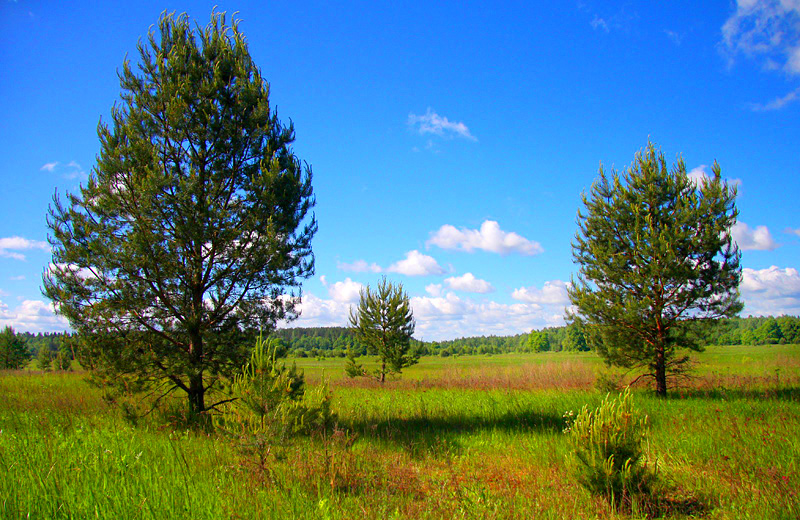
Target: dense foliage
[
  {"x": 655, "y": 252},
  {"x": 13, "y": 352},
  {"x": 192, "y": 232}
]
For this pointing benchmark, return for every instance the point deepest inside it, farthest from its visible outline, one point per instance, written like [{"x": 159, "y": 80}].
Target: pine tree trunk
[
  {"x": 197, "y": 392},
  {"x": 383, "y": 372},
  {"x": 196, "y": 388},
  {"x": 661, "y": 371}
]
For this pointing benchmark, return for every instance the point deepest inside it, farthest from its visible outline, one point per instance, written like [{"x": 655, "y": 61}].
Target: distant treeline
[
  {"x": 49, "y": 340},
  {"x": 336, "y": 341}
]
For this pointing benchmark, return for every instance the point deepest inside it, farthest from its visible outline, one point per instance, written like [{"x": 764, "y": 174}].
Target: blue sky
[{"x": 450, "y": 142}]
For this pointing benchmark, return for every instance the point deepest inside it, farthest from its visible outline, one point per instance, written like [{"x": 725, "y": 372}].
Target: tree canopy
[
  {"x": 13, "y": 350},
  {"x": 194, "y": 227},
  {"x": 655, "y": 252}
]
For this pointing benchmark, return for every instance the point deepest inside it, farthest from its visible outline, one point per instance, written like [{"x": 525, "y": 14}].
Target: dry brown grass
[{"x": 568, "y": 375}]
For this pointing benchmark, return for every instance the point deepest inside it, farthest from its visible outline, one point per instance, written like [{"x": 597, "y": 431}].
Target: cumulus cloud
[
  {"x": 449, "y": 316},
  {"x": 49, "y": 167},
  {"x": 699, "y": 175},
  {"x": 359, "y": 266},
  {"x": 346, "y": 291},
  {"x": 772, "y": 291},
  {"x": 443, "y": 315},
  {"x": 432, "y": 123},
  {"x": 416, "y": 264},
  {"x": 488, "y": 238},
  {"x": 32, "y": 316},
  {"x": 319, "y": 312},
  {"x": 10, "y": 247},
  {"x": 758, "y": 239},
  {"x": 434, "y": 289},
  {"x": 553, "y": 292},
  {"x": 468, "y": 283}
]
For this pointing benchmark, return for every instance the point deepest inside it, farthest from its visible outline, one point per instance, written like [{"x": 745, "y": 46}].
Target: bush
[
  {"x": 270, "y": 404},
  {"x": 608, "y": 454}
]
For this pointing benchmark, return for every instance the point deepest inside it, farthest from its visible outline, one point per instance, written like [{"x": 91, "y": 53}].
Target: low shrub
[
  {"x": 270, "y": 404},
  {"x": 607, "y": 444}
]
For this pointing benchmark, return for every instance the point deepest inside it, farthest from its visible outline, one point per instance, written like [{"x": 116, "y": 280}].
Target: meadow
[{"x": 466, "y": 437}]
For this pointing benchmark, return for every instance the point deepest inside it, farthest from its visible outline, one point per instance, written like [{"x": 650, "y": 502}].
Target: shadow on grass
[
  {"x": 722, "y": 393},
  {"x": 422, "y": 435}
]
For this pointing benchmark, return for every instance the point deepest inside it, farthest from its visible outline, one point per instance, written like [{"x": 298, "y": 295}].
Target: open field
[{"x": 467, "y": 437}]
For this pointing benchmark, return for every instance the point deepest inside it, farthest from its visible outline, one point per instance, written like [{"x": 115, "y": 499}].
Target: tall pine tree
[
  {"x": 193, "y": 231},
  {"x": 655, "y": 251}
]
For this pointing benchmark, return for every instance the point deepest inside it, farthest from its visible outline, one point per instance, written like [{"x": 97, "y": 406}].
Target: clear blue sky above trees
[{"x": 450, "y": 143}]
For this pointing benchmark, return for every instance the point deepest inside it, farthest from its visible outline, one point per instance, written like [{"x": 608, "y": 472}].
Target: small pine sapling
[{"x": 608, "y": 455}]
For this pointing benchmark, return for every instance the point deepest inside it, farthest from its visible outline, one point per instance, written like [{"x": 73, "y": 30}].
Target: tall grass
[{"x": 472, "y": 437}]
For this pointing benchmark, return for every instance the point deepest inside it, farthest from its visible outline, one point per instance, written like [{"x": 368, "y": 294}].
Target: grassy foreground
[{"x": 470, "y": 437}]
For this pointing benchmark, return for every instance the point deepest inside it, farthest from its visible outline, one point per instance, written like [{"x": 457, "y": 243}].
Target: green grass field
[{"x": 467, "y": 437}]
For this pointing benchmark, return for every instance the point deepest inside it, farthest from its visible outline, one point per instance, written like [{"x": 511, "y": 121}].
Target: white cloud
[
  {"x": 699, "y": 175},
  {"x": 434, "y": 289},
  {"x": 82, "y": 272},
  {"x": 444, "y": 316},
  {"x": 71, "y": 170},
  {"x": 767, "y": 31},
  {"x": 488, "y": 238},
  {"x": 449, "y": 316},
  {"x": 74, "y": 171},
  {"x": 17, "y": 278},
  {"x": 359, "y": 266},
  {"x": 777, "y": 103},
  {"x": 346, "y": 291},
  {"x": 416, "y": 264},
  {"x": 772, "y": 291},
  {"x": 553, "y": 292},
  {"x": 433, "y": 123},
  {"x": 32, "y": 316},
  {"x": 317, "y": 312},
  {"x": 792, "y": 231},
  {"x": 674, "y": 37},
  {"x": 600, "y": 24},
  {"x": 758, "y": 239},
  {"x": 468, "y": 283},
  {"x": 10, "y": 247}
]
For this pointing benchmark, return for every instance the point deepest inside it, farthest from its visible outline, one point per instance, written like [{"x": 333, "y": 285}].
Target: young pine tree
[{"x": 384, "y": 322}]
